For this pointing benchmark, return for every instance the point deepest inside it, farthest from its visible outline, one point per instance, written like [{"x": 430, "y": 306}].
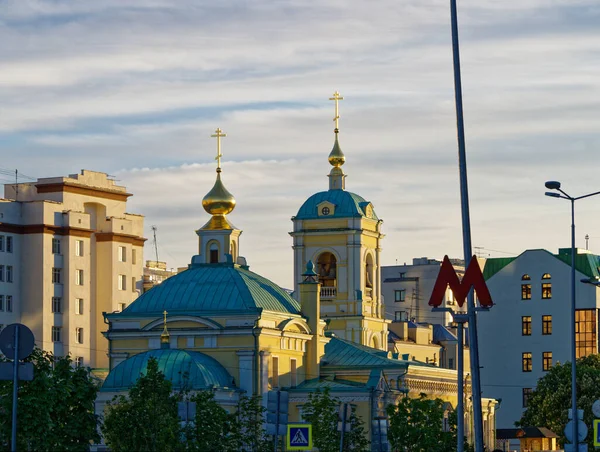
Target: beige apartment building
[{"x": 68, "y": 252}]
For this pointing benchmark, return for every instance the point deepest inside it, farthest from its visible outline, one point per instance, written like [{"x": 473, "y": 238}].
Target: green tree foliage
[
  {"x": 416, "y": 425},
  {"x": 213, "y": 428},
  {"x": 548, "y": 405},
  {"x": 146, "y": 420},
  {"x": 251, "y": 430},
  {"x": 322, "y": 411},
  {"x": 56, "y": 408}
]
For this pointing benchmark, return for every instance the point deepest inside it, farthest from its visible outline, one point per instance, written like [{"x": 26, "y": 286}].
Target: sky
[{"x": 135, "y": 89}]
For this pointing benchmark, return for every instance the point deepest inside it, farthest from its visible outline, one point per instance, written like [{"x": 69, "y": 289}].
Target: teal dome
[
  {"x": 347, "y": 204},
  {"x": 213, "y": 288},
  {"x": 183, "y": 368}
]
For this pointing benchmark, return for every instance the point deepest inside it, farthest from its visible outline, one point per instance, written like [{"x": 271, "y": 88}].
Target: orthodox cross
[
  {"x": 218, "y": 135},
  {"x": 165, "y": 318},
  {"x": 336, "y": 97}
]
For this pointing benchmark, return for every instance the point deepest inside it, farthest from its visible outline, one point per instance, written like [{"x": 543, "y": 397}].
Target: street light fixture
[{"x": 555, "y": 185}]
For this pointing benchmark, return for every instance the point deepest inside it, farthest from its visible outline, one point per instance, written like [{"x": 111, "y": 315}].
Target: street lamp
[{"x": 555, "y": 185}]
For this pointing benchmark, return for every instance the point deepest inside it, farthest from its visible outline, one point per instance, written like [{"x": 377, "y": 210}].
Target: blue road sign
[{"x": 299, "y": 437}]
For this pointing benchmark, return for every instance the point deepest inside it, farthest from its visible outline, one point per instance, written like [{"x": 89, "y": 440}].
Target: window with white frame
[
  {"x": 122, "y": 282},
  {"x": 9, "y": 244},
  {"x": 79, "y": 361},
  {"x": 57, "y": 305},
  {"x": 79, "y": 277},
  {"x": 78, "y": 247},
  {"x": 9, "y": 273},
  {"x": 79, "y": 335},
  {"x": 79, "y": 306},
  {"x": 122, "y": 254},
  {"x": 55, "y": 246}
]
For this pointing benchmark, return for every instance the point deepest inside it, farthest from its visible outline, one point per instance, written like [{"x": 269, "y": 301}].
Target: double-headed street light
[{"x": 555, "y": 185}]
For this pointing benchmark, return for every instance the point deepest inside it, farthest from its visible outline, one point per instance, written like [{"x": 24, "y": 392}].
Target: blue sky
[{"x": 136, "y": 90}]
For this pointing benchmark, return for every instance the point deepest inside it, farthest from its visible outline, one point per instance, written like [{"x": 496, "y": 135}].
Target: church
[{"x": 236, "y": 332}]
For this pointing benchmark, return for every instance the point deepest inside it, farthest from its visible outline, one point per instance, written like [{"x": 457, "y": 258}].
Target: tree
[
  {"x": 417, "y": 425},
  {"x": 56, "y": 408},
  {"x": 147, "y": 419},
  {"x": 251, "y": 430},
  {"x": 322, "y": 412},
  {"x": 549, "y": 403}
]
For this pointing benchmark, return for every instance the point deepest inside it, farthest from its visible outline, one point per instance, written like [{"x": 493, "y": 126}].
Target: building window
[
  {"x": 79, "y": 277},
  {"x": 133, "y": 256},
  {"x": 79, "y": 361},
  {"x": 525, "y": 291},
  {"x": 122, "y": 282},
  {"x": 79, "y": 335},
  {"x": 1, "y": 243},
  {"x": 56, "y": 305},
  {"x": 546, "y": 276},
  {"x": 55, "y": 246},
  {"x": 450, "y": 363},
  {"x": 122, "y": 306},
  {"x": 78, "y": 247},
  {"x": 526, "y": 326},
  {"x": 9, "y": 273},
  {"x": 527, "y": 362},
  {"x": 1, "y": 272},
  {"x": 546, "y": 324},
  {"x": 1, "y": 302},
  {"x": 122, "y": 254},
  {"x": 133, "y": 283},
  {"x": 9, "y": 244},
  {"x": 526, "y": 394},
  {"x": 293, "y": 373},
  {"x": 546, "y": 290},
  {"x": 9, "y": 303},
  {"x": 585, "y": 332},
  {"x": 79, "y": 306},
  {"x": 275, "y": 373},
  {"x": 401, "y": 316},
  {"x": 56, "y": 333},
  {"x": 56, "y": 275},
  {"x": 400, "y": 295},
  {"x": 214, "y": 256},
  {"x": 525, "y": 277},
  {"x": 546, "y": 361}
]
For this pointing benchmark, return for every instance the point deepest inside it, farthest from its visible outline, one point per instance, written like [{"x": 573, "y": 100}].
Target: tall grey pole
[
  {"x": 460, "y": 419},
  {"x": 13, "y": 445},
  {"x": 466, "y": 226},
  {"x": 573, "y": 334}
]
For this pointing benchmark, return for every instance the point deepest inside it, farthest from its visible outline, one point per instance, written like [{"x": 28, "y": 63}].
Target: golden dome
[
  {"x": 336, "y": 156},
  {"x": 218, "y": 201}
]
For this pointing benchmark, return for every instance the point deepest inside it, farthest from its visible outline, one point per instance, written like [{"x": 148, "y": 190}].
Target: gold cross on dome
[
  {"x": 336, "y": 97},
  {"x": 165, "y": 315},
  {"x": 218, "y": 135}
]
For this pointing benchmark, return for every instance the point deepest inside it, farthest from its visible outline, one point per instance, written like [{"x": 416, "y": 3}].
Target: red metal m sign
[{"x": 473, "y": 278}]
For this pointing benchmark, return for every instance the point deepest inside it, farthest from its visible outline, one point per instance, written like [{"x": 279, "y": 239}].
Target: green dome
[
  {"x": 182, "y": 368},
  {"x": 347, "y": 204},
  {"x": 212, "y": 288}
]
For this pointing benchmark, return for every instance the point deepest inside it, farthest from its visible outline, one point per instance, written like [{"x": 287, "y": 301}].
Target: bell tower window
[
  {"x": 369, "y": 276},
  {"x": 327, "y": 270},
  {"x": 214, "y": 256}
]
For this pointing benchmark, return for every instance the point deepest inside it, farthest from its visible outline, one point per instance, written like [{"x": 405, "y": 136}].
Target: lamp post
[{"x": 555, "y": 185}]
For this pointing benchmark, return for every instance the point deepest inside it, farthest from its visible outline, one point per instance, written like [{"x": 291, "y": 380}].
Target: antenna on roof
[{"x": 154, "y": 228}]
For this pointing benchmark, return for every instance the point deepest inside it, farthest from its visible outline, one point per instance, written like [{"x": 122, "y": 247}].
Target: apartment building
[
  {"x": 528, "y": 330},
  {"x": 68, "y": 252}
]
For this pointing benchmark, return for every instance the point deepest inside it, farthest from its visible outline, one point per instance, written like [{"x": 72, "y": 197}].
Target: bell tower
[
  {"x": 218, "y": 240},
  {"x": 340, "y": 232}
]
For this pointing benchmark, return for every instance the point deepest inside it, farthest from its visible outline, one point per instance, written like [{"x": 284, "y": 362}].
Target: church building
[{"x": 236, "y": 332}]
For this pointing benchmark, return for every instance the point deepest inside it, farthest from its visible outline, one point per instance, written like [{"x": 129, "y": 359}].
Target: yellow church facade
[{"x": 235, "y": 332}]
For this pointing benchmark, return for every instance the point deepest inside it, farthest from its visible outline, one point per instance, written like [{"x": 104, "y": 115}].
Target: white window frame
[
  {"x": 122, "y": 282},
  {"x": 122, "y": 253},
  {"x": 55, "y": 245},
  {"x": 79, "y": 248},
  {"x": 79, "y": 361},
  {"x": 79, "y": 306},
  {"x": 79, "y": 277}
]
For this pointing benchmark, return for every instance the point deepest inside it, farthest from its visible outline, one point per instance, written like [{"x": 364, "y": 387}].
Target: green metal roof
[
  {"x": 588, "y": 264},
  {"x": 183, "y": 368},
  {"x": 347, "y": 204},
  {"x": 343, "y": 353},
  {"x": 213, "y": 288}
]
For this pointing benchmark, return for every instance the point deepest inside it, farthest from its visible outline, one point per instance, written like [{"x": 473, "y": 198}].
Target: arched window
[
  {"x": 213, "y": 252},
  {"x": 327, "y": 270},
  {"x": 525, "y": 277},
  {"x": 374, "y": 342},
  {"x": 546, "y": 276}
]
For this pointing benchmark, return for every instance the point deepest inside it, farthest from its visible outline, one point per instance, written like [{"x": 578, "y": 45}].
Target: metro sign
[{"x": 473, "y": 278}]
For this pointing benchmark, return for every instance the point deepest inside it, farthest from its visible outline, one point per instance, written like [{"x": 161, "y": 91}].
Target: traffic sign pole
[{"x": 13, "y": 445}]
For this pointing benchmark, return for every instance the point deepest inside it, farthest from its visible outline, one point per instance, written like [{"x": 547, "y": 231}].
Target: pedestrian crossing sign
[
  {"x": 299, "y": 437},
  {"x": 596, "y": 432}
]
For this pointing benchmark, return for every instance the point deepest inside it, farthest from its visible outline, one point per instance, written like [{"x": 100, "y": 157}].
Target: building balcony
[{"x": 328, "y": 293}]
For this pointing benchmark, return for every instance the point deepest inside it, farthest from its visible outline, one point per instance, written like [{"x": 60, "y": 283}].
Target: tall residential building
[
  {"x": 68, "y": 252},
  {"x": 528, "y": 329}
]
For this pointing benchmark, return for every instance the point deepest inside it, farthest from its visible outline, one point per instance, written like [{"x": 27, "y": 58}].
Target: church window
[
  {"x": 327, "y": 270},
  {"x": 325, "y": 211},
  {"x": 275, "y": 372},
  {"x": 214, "y": 256}
]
